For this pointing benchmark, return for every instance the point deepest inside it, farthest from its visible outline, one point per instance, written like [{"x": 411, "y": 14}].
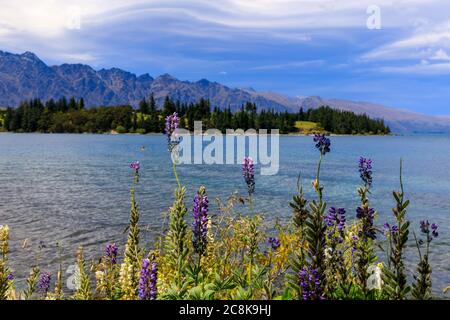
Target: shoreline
[{"x": 162, "y": 134}]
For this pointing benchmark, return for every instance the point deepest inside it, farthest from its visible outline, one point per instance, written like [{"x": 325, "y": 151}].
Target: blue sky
[{"x": 293, "y": 47}]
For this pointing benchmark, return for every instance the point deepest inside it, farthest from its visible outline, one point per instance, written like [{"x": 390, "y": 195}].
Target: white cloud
[
  {"x": 441, "y": 55},
  {"x": 25, "y": 24},
  {"x": 422, "y": 44},
  {"x": 48, "y": 18},
  {"x": 423, "y": 68}
]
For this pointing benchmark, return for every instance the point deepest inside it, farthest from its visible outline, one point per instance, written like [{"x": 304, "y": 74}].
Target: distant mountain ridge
[{"x": 25, "y": 76}]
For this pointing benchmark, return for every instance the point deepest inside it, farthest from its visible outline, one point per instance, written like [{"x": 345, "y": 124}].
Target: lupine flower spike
[
  {"x": 147, "y": 280},
  {"x": 111, "y": 252},
  {"x": 310, "y": 284},
  {"x": 322, "y": 143},
  {"x": 274, "y": 243},
  {"x": 335, "y": 221},
  {"x": 248, "y": 171},
  {"x": 44, "y": 283},
  {"x": 135, "y": 165},
  {"x": 172, "y": 123},
  {"x": 200, "y": 223},
  {"x": 365, "y": 171}
]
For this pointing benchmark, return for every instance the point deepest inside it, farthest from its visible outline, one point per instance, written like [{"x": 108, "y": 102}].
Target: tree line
[{"x": 71, "y": 116}]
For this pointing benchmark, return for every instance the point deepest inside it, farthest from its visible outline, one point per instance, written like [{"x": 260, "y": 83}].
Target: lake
[{"x": 75, "y": 189}]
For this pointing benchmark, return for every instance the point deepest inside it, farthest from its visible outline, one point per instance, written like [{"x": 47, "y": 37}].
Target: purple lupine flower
[
  {"x": 147, "y": 281},
  {"x": 274, "y": 242},
  {"x": 10, "y": 276},
  {"x": 434, "y": 232},
  {"x": 310, "y": 284},
  {"x": 172, "y": 123},
  {"x": 136, "y": 165},
  {"x": 367, "y": 216},
  {"x": 44, "y": 282},
  {"x": 111, "y": 252},
  {"x": 248, "y": 171},
  {"x": 153, "y": 281},
  {"x": 322, "y": 143},
  {"x": 200, "y": 223},
  {"x": 144, "y": 292},
  {"x": 425, "y": 229},
  {"x": 335, "y": 220},
  {"x": 390, "y": 230},
  {"x": 365, "y": 171}
]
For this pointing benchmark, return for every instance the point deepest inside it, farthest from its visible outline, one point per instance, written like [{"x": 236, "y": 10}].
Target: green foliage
[
  {"x": 421, "y": 289},
  {"x": 299, "y": 207},
  {"x": 5, "y": 283},
  {"x": 395, "y": 276},
  {"x": 343, "y": 122},
  {"x": 84, "y": 291},
  {"x": 121, "y": 129},
  {"x": 133, "y": 255},
  {"x": 32, "y": 281},
  {"x": 177, "y": 239},
  {"x": 364, "y": 253},
  {"x": 315, "y": 235},
  {"x": 64, "y": 116}
]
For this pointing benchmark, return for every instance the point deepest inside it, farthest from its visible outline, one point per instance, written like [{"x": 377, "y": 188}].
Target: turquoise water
[{"x": 74, "y": 189}]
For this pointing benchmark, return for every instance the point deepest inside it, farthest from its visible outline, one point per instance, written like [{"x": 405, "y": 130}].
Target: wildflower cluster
[
  {"x": 248, "y": 171},
  {"x": 148, "y": 280},
  {"x": 274, "y": 243},
  {"x": 322, "y": 143},
  {"x": 365, "y": 171},
  {"x": 367, "y": 216},
  {"x": 171, "y": 125},
  {"x": 310, "y": 284},
  {"x": 111, "y": 252},
  {"x": 200, "y": 223},
  {"x": 44, "y": 283},
  {"x": 429, "y": 233},
  {"x": 335, "y": 219}
]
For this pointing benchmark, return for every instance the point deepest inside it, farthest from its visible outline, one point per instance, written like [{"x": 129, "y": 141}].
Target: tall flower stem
[
  {"x": 395, "y": 278},
  {"x": 421, "y": 289},
  {"x": 132, "y": 260},
  {"x": 315, "y": 231},
  {"x": 366, "y": 232},
  {"x": 318, "y": 189},
  {"x": 174, "y": 168}
]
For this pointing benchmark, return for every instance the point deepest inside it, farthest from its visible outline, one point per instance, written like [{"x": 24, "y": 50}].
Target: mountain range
[{"x": 25, "y": 76}]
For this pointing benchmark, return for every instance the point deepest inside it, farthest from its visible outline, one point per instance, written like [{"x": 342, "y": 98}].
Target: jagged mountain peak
[{"x": 30, "y": 55}]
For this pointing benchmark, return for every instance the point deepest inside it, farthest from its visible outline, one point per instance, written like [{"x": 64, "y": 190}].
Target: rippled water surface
[{"x": 74, "y": 189}]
